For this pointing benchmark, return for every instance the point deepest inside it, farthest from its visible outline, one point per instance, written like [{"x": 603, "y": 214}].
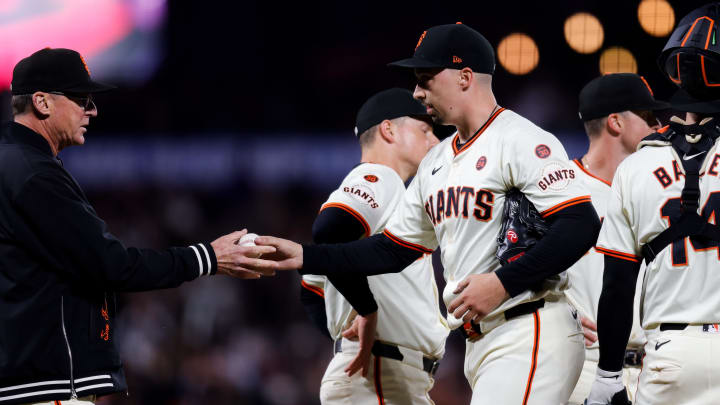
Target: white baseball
[{"x": 248, "y": 240}]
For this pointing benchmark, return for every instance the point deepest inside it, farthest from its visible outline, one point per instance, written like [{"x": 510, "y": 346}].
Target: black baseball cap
[
  {"x": 453, "y": 46},
  {"x": 54, "y": 69},
  {"x": 617, "y": 92},
  {"x": 386, "y": 105}
]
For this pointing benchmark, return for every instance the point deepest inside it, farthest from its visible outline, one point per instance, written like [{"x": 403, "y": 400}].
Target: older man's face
[{"x": 71, "y": 118}]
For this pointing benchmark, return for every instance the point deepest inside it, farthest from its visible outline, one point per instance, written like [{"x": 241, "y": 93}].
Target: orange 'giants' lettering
[
  {"x": 454, "y": 202},
  {"x": 483, "y": 204}
]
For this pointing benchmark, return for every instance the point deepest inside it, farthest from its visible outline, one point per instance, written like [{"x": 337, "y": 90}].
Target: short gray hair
[{"x": 20, "y": 103}]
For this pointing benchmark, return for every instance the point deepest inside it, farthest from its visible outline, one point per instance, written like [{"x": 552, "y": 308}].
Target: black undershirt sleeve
[
  {"x": 335, "y": 225},
  {"x": 615, "y": 311},
  {"x": 314, "y": 305},
  {"x": 371, "y": 256},
  {"x": 347, "y": 266},
  {"x": 573, "y": 231}
]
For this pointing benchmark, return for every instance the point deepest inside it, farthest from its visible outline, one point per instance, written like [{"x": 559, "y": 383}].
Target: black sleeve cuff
[
  {"x": 506, "y": 275},
  {"x": 205, "y": 262},
  {"x": 311, "y": 260}
]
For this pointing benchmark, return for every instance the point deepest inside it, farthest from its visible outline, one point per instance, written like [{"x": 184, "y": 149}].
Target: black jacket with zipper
[{"x": 59, "y": 270}]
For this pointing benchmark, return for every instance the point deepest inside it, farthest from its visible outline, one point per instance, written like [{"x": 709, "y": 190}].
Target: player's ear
[
  {"x": 385, "y": 131},
  {"x": 615, "y": 124},
  {"x": 465, "y": 77},
  {"x": 41, "y": 103}
]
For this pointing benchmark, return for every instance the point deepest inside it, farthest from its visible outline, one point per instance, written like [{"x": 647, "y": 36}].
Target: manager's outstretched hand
[
  {"x": 242, "y": 261},
  {"x": 288, "y": 255}
]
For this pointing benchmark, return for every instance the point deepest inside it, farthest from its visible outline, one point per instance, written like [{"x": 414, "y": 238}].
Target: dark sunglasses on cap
[
  {"x": 647, "y": 116},
  {"x": 85, "y": 102}
]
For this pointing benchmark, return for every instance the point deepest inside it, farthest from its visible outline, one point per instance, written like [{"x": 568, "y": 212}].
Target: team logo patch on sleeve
[
  {"x": 371, "y": 178},
  {"x": 362, "y": 193},
  {"x": 555, "y": 177},
  {"x": 481, "y": 163},
  {"x": 542, "y": 151}
]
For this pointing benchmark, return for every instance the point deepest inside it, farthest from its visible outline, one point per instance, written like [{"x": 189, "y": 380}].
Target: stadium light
[
  {"x": 584, "y": 33},
  {"x": 518, "y": 54},
  {"x": 656, "y": 17},
  {"x": 617, "y": 60}
]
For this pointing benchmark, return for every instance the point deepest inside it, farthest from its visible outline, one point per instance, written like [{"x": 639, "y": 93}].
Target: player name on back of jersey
[{"x": 662, "y": 174}]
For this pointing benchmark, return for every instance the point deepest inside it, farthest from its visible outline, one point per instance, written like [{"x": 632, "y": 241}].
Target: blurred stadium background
[{"x": 240, "y": 114}]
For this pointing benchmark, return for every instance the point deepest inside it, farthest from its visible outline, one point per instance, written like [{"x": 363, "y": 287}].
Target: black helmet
[{"x": 691, "y": 57}]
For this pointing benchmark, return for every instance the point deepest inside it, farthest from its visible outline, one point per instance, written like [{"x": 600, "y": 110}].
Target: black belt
[
  {"x": 471, "y": 330},
  {"x": 389, "y": 351},
  {"x": 634, "y": 357},
  {"x": 673, "y": 326}
]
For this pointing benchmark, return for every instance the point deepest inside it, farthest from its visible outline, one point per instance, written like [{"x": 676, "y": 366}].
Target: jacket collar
[{"x": 13, "y": 132}]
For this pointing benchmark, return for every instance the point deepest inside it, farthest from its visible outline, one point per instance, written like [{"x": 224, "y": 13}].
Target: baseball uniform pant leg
[
  {"x": 680, "y": 367},
  {"x": 631, "y": 376},
  {"x": 389, "y": 382},
  {"x": 587, "y": 377},
  {"x": 533, "y": 359}
]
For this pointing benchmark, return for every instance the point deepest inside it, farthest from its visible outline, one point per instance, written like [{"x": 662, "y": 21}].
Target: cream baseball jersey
[
  {"x": 586, "y": 275},
  {"x": 681, "y": 285},
  {"x": 456, "y": 199},
  {"x": 408, "y": 303}
]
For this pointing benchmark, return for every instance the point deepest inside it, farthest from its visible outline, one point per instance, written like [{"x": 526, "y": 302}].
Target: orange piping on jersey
[
  {"x": 352, "y": 212},
  {"x": 378, "y": 382},
  {"x": 618, "y": 255},
  {"x": 663, "y": 129},
  {"x": 565, "y": 204},
  {"x": 580, "y": 165},
  {"x": 533, "y": 364},
  {"x": 316, "y": 290},
  {"x": 477, "y": 134},
  {"x": 408, "y": 245}
]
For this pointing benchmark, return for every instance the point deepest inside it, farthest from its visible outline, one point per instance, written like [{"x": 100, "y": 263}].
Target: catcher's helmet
[{"x": 691, "y": 57}]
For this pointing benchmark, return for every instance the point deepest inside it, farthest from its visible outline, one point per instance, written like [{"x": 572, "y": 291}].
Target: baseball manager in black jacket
[{"x": 59, "y": 265}]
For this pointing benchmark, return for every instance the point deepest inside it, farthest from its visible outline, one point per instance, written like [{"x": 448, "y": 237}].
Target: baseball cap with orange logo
[
  {"x": 453, "y": 46},
  {"x": 55, "y": 69}
]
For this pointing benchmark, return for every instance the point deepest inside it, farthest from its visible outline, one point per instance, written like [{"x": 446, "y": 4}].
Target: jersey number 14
[{"x": 711, "y": 210}]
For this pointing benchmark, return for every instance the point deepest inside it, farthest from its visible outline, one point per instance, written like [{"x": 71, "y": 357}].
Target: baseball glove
[{"x": 522, "y": 227}]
